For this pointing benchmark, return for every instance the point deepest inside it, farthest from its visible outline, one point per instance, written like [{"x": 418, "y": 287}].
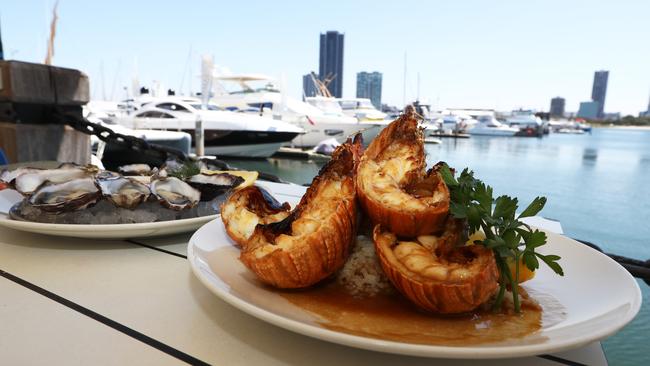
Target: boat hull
[
  {"x": 321, "y": 131},
  {"x": 249, "y": 144}
]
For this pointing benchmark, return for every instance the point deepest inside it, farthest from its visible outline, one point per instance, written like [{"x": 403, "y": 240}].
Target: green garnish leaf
[
  {"x": 509, "y": 238},
  {"x": 551, "y": 261},
  {"x": 534, "y": 208},
  {"x": 185, "y": 171},
  {"x": 448, "y": 176}
]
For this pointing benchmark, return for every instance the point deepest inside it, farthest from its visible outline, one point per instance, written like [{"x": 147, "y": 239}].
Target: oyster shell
[
  {"x": 213, "y": 185},
  {"x": 9, "y": 176},
  {"x": 174, "y": 193},
  {"x": 27, "y": 183},
  {"x": 124, "y": 192},
  {"x": 65, "y": 196},
  {"x": 135, "y": 169}
]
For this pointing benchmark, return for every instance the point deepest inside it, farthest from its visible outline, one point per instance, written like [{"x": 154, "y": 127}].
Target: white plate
[
  {"x": 115, "y": 231},
  {"x": 599, "y": 297}
]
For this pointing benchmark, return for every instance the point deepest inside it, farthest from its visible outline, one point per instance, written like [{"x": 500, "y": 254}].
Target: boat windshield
[
  {"x": 356, "y": 104},
  {"x": 248, "y": 86},
  {"x": 365, "y": 104},
  {"x": 329, "y": 106},
  {"x": 211, "y": 107}
]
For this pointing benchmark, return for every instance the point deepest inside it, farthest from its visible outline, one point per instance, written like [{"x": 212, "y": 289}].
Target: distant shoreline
[{"x": 623, "y": 127}]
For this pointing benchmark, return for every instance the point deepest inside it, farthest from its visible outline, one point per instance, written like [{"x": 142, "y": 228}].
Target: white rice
[{"x": 362, "y": 274}]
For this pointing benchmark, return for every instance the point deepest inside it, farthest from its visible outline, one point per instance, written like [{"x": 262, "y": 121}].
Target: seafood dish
[
  {"x": 297, "y": 249},
  {"x": 74, "y": 194},
  {"x": 376, "y": 227}
]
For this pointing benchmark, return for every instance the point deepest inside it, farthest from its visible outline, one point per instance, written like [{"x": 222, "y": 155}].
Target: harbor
[{"x": 279, "y": 192}]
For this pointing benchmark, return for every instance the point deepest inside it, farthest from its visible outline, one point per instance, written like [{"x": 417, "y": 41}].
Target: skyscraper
[
  {"x": 309, "y": 88},
  {"x": 599, "y": 90},
  {"x": 557, "y": 107},
  {"x": 369, "y": 86},
  {"x": 2, "y": 56},
  {"x": 331, "y": 61}
]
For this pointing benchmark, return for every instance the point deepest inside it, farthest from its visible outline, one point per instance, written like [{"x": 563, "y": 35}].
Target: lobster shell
[
  {"x": 396, "y": 157},
  {"x": 255, "y": 203},
  {"x": 288, "y": 254},
  {"x": 447, "y": 295}
]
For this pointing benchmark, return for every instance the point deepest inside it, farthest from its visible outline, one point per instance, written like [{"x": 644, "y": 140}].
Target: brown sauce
[{"x": 392, "y": 317}]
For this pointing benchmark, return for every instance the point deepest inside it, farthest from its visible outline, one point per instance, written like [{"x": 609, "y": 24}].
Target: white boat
[
  {"x": 489, "y": 126},
  {"x": 226, "y": 133},
  {"x": 361, "y": 109},
  {"x": 240, "y": 94},
  {"x": 330, "y": 106},
  {"x": 527, "y": 123}
]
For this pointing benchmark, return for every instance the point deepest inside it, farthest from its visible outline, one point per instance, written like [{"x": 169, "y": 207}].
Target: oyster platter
[{"x": 76, "y": 200}]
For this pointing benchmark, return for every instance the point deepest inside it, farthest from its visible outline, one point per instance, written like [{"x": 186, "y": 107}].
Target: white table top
[{"x": 79, "y": 302}]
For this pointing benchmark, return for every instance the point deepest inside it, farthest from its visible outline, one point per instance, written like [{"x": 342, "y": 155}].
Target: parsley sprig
[{"x": 509, "y": 237}]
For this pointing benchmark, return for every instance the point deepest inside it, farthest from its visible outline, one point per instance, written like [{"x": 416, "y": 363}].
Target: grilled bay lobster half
[
  {"x": 393, "y": 186},
  {"x": 312, "y": 241},
  {"x": 438, "y": 273}
]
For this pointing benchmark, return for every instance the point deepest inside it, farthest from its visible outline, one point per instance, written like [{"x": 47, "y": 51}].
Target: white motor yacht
[
  {"x": 489, "y": 126},
  {"x": 330, "y": 106},
  {"x": 240, "y": 94},
  {"x": 225, "y": 133},
  {"x": 527, "y": 123},
  {"x": 362, "y": 109}
]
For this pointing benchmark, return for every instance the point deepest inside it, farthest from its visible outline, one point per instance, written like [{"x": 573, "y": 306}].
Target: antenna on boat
[
  {"x": 418, "y": 99},
  {"x": 135, "y": 83},
  {"x": 50, "y": 42},
  {"x": 404, "y": 86},
  {"x": 207, "y": 68},
  {"x": 117, "y": 73},
  {"x": 188, "y": 64}
]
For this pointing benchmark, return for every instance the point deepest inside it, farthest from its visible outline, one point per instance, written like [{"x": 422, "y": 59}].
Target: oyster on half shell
[
  {"x": 27, "y": 183},
  {"x": 174, "y": 193},
  {"x": 71, "y": 195},
  {"x": 124, "y": 192},
  {"x": 135, "y": 169},
  {"x": 213, "y": 185}
]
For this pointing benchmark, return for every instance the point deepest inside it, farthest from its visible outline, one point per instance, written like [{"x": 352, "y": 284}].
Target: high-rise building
[
  {"x": 2, "y": 56},
  {"x": 309, "y": 88},
  {"x": 331, "y": 61},
  {"x": 557, "y": 107},
  {"x": 589, "y": 110},
  {"x": 369, "y": 86},
  {"x": 599, "y": 90}
]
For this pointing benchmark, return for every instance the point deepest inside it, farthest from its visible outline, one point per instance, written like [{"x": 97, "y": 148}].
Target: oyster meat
[
  {"x": 70, "y": 195},
  {"x": 124, "y": 192},
  {"x": 28, "y": 182},
  {"x": 174, "y": 193},
  {"x": 135, "y": 169}
]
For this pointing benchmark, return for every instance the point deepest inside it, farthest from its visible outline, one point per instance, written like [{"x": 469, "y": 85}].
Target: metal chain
[
  {"x": 135, "y": 143},
  {"x": 108, "y": 135}
]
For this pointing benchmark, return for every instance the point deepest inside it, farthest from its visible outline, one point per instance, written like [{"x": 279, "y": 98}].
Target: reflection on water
[
  {"x": 596, "y": 186},
  {"x": 589, "y": 156}
]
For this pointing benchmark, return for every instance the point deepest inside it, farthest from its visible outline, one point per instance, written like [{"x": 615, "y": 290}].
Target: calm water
[{"x": 597, "y": 186}]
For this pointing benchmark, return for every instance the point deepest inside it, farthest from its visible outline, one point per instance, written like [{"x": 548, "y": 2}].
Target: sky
[{"x": 468, "y": 54}]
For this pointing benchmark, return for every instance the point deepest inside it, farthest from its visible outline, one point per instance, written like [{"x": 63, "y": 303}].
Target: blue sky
[{"x": 504, "y": 55}]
